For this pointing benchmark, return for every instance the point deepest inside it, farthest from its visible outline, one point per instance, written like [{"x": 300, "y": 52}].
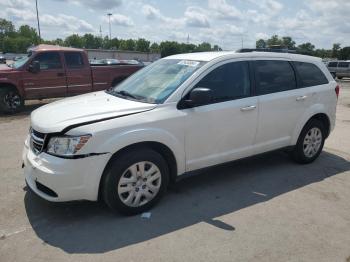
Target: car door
[
  {"x": 50, "y": 81},
  {"x": 78, "y": 73},
  {"x": 281, "y": 103},
  {"x": 343, "y": 69},
  {"x": 224, "y": 129}
]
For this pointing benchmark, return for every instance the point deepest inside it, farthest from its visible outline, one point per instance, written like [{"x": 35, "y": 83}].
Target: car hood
[
  {"x": 5, "y": 68},
  {"x": 59, "y": 115}
]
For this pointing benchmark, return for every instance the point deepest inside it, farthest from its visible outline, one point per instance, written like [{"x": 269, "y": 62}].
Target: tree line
[
  {"x": 305, "y": 48},
  {"x": 14, "y": 40},
  {"x": 18, "y": 41}
]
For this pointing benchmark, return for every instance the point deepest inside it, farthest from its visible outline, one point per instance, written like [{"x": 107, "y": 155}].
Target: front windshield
[
  {"x": 156, "y": 82},
  {"x": 21, "y": 61}
]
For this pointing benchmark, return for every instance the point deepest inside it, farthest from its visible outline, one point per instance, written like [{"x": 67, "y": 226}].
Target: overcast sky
[{"x": 222, "y": 22}]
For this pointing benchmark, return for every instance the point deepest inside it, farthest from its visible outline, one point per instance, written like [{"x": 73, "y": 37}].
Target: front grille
[{"x": 37, "y": 141}]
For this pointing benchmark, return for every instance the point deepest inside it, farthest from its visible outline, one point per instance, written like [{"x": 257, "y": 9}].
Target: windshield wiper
[{"x": 126, "y": 94}]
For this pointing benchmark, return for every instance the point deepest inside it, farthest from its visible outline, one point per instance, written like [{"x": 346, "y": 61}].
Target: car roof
[
  {"x": 52, "y": 48},
  {"x": 209, "y": 56}
]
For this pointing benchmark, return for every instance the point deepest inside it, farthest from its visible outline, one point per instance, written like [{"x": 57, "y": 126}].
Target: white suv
[{"x": 179, "y": 114}]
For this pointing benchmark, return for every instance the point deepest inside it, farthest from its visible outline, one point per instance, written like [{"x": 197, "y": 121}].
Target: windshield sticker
[{"x": 188, "y": 63}]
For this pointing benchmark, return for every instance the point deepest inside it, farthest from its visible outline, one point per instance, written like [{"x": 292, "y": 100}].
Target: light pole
[
  {"x": 109, "y": 20},
  {"x": 37, "y": 17}
]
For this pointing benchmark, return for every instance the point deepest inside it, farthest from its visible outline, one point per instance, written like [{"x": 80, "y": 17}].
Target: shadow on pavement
[{"x": 86, "y": 227}]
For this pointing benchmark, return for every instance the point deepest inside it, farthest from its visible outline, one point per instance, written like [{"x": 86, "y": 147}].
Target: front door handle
[
  {"x": 60, "y": 74},
  {"x": 301, "y": 98},
  {"x": 248, "y": 108}
]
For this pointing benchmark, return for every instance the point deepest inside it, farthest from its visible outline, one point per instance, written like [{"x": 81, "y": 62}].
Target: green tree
[
  {"x": 261, "y": 43},
  {"x": 74, "y": 41},
  {"x": 128, "y": 44},
  {"x": 203, "y": 47},
  {"x": 154, "y": 48},
  {"x": 288, "y": 42},
  {"x": 217, "y": 48},
  {"x": 335, "y": 50},
  {"x": 306, "y": 48},
  {"x": 274, "y": 40},
  {"x": 169, "y": 48},
  {"x": 344, "y": 53},
  {"x": 142, "y": 45}
]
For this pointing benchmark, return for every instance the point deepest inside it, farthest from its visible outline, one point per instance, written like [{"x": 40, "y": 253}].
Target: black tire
[
  {"x": 10, "y": 100},
  {"x": 339, "y": 77},
  {"x": 298, "y": 152},
  {"x": 115, "y": 171}
]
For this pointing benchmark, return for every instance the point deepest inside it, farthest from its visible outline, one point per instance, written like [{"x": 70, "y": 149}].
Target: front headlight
[{"x": 66, "y": 145}]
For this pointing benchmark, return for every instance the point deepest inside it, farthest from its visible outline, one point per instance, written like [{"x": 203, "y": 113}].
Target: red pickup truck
[{"x": 54, "y": 71}]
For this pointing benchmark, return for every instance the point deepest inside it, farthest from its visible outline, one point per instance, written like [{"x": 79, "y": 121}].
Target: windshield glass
[
  {"x": 21, "y": 61},
  {"x": 156, "y": 82}
]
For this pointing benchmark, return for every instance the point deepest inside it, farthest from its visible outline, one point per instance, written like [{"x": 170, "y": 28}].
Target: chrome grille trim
[{"x": 37, "y": 141}]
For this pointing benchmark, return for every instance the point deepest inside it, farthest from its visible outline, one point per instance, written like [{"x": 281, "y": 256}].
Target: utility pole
[
  {"x": 188, "y": 38},
  {"x": 37, "y": 17},
  {"x": 110, "y": 31},
  {"x": 100, "y": 31}
]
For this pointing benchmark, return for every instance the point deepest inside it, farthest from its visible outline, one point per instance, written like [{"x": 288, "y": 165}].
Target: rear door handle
[
  {"x": 301, "y": 98},
  {"x": 248, "y": 108},
  {"x": 60, "y": 74}
]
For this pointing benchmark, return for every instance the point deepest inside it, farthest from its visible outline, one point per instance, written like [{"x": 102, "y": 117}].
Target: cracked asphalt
[{"x": 264, "y": 208}]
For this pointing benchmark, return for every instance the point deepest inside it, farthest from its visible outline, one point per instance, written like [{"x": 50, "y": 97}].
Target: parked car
[
  {"x": 179, "y": 114},
  {"x": 339, "y": 69},
  {"x": 53, "y": 71},
  {"x": 2, "y": 60}
]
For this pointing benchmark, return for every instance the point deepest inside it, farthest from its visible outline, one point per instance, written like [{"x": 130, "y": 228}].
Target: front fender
[
  {"x": 313, "y": 110},
  {"x": 127, "y": 138}
]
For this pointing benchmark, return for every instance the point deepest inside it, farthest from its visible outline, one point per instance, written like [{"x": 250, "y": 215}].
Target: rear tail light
[{"x": 337, "y": 89}]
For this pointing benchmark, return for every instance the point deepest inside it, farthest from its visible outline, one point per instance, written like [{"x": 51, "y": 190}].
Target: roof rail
[{"x": 274, "y": 50}]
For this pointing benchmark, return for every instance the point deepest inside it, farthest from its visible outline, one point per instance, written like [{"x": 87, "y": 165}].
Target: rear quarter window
[
  {"x": 274, "y": 76},
  {"x": 310, "y": 74}
]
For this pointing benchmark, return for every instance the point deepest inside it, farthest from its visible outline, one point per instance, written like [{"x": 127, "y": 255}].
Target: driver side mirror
[
  {"x": 34, "y": 67},
  {"x": 199, "y": 96}
]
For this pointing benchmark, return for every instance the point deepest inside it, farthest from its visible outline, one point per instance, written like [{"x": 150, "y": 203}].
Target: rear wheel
[
  {"x": 310, "y": 142},
  {"x": 135, "y": 181},
  {"x": 10, "y": 100},
  {"x": 339, "y": 77}
]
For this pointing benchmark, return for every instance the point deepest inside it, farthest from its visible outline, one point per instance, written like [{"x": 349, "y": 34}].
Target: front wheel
[
  {"x": 310, "y": 142},
  {"x": 135, "y": 181},
  {"x": 10, "y": 100}
]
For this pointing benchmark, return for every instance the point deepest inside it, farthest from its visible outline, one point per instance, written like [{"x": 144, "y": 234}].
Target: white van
[{"x": 182, "y": 113}]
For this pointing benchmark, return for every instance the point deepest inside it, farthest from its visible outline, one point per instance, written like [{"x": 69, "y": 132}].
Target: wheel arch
[
  {"x": 160, "y": 148},
  {"x": 321, "y": 116},
  {"x": 11, "y": 85}
]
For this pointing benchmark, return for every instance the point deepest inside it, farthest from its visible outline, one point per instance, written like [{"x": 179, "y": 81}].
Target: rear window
[
  {"x": 310, "y": 74},
  {"x": 274, "y": 76},
  {"x": 74, "y": 59},
  {"x": 332, "y": 64},
  {"x": 343, "y": 64}
]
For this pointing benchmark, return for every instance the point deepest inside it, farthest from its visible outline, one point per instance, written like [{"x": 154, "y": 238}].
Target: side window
[
  {"x": 74, "y": 60},
  {"x": 310, "y": 74},
  {"x": 49, "y": 60},
  {"x": 228, "y": 82},
  {"x": 274, "y": 76},
  {"x": 332, "y": 64},
  {"x": 343, "y": 64}
]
